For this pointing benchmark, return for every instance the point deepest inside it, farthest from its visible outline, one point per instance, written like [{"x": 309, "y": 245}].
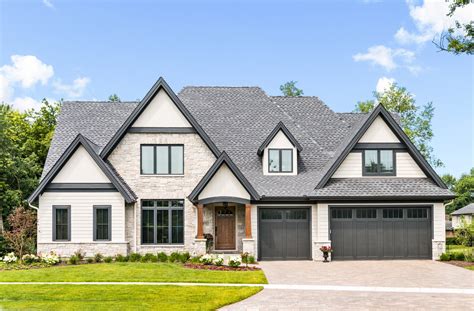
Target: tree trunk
[{"x": 1, "y": 221}]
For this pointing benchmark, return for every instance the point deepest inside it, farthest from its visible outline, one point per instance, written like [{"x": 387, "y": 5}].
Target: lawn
[
  {"x": 131, "y": 272},
  {"x": 459, "y": 249},
  {"x": 119, "y": 297}
]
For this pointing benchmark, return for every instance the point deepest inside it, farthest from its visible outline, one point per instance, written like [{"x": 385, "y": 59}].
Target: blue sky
[{"x": 336, "y": 50}]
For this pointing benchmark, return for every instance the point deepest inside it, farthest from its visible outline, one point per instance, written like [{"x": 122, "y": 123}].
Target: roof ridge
[
  {"x": 99, "y": 102},
  {"x": 222, "y": 87}
]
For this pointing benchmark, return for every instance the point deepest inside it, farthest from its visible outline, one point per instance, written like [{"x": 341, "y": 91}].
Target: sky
[{"x": 340, "y": 51}]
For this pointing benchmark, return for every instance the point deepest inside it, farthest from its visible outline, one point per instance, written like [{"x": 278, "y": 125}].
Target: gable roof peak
[{"x": 279, "y": 127}]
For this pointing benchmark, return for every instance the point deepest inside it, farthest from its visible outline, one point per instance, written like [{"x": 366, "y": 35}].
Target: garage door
[
  {"x": 380, "y": 232},
  {"x": 284, "y": 233}
]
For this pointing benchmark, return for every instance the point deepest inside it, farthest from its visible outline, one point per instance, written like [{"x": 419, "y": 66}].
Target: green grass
[
  {"x": 458, "y": 249},
  {"x": 131, "y": 272},
  {"x": 119, "y": 297},
  {"x": 470, "y": 268}
]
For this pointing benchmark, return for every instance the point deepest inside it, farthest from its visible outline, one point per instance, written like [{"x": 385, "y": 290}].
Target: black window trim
[
  {"x": 280, "y": 162},
  {"x": 109, "y": 225},
  {"x": 154, "y": 159},
  {"x": 155, "y": 208},
  {"x": 68, "y": 208},
  {"x": 378, "y": 173}
]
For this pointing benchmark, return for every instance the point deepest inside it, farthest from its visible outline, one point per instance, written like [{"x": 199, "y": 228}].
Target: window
[
  {"x": 342, "y": 213},
  {"x": 392, "y": 213},
  {"x": 417, "y": 213},
  {"x": 163, "y": 221},
  {"x": 102, "y": 223},
  {"x": 61, "y": 223},
  {"x": 379, "y": 162},
  {"x": 162, "y": 160},
  {"x": 268, "y": 214},
  {"x": 366, "y": 213},
  {"x": 280, "y": 160}
]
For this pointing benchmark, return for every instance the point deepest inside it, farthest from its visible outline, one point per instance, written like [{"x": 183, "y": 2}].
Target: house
[
  {"x": 466, "y": 213},
  {"x": 274, "y": 176}
]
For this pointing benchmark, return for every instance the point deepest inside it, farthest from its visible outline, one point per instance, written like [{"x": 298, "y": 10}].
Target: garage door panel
[{"x": 390, "y": 233}]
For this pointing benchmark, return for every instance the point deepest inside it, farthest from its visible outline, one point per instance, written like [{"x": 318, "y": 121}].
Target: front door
[{"x": 225, "y": 228}]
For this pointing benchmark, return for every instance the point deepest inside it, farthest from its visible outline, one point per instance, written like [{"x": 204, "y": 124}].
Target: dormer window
[
  {"x": 378, "y": 162},
  {"x": 280, "y": 160}
]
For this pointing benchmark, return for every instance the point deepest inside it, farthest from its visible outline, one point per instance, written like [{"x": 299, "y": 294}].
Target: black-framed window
[
  {"x": 280, "y": 160},
  {"x": 102, "y": 222},
  {"x": 392, "y": 213},
  {"x": 162, "y": 160},
  {"x": 61, "y": 222},
  {"x": 342, "y": 213},
  {"x": 378, "y": 162},
  {"x": 162, "y": 221}
]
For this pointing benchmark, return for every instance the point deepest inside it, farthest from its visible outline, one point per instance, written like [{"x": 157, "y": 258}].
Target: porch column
[
  {"x": 248, "y": 221},
  {"x": 200, "y": 230}
]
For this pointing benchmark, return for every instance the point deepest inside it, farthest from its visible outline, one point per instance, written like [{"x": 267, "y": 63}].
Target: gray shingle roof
[
  {"x": 238, "y": 119},
  {"x": 468, "y": 209}
]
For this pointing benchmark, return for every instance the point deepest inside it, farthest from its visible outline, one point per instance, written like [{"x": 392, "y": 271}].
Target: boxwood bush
[{"x": 162, "y": 257}]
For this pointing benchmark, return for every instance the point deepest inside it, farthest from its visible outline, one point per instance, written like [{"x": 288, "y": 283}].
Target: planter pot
[{"x": 325, "y": 255}]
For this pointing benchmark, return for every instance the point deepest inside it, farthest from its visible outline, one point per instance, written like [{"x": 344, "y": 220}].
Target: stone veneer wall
[
  {"x": 89, "y": 249},
  {"x": 197, "y": 161}
]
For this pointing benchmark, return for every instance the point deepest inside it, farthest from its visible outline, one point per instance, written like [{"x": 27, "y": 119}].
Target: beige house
[
  {"x": 466, "y": 213},
  {"x": 274, "y": 176}
]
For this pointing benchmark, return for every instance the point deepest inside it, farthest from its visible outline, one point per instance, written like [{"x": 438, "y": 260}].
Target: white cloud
[
  {"x": 430, "y": 20},
  {"x": 384, "y": 84},
  {"x": 385, "y": 57},
  {"x": 27, "y": 70},
  {"x": 48, "y": 3},
  {"x": 24, "y": 103},
  {"x": 76, "y": 89}
]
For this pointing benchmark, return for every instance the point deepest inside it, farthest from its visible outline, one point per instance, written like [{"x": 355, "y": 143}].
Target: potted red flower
[{"x": 326, "y": 249}]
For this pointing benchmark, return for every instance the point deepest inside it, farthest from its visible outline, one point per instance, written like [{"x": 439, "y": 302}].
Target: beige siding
[
  {"x": 407, "y": 167},
  {"x": 81, "y": 214},
  {"x": 350, "y": 167},
  {"x": 280, "y": 141},
  {"x": 224, "y": 184},
  {"x": 379, "y": 132},
  {"x": 161, "y": 112},
  {"x": 81, "y": 168}
]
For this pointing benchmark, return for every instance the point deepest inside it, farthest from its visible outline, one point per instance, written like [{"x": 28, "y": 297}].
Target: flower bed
[{"x": 218, "y": 268}]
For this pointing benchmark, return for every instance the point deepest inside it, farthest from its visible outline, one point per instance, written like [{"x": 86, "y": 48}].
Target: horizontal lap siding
[
  {"x": 81, "y": 214},
  {"x": 350, "y": 167},
  {"x": 407, "y": 167}
]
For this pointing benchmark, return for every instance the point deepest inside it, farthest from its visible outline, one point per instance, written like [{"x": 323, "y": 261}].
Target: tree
[
  {"x": 290, "y": 89},
  {"x": 22, "y": 233},
  {"x": 460, "y": 38},
  {"x": 463, "y": 188},
  {"x": 449, "y": 180},
  {"x": 25, "y": 138},
  {"x": 114, "y": 98},
  {"x": 415, "y": 120}
]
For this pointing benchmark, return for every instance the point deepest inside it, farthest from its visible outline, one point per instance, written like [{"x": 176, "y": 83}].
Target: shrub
[
  {"x": 173, "y": 257},
  {"x": 50, "y": 259},
  {"x": 22, "y": 234},
  {"x": 79, "y": 254},
  {"x": 451, "y": 241},
  {"x": 207, "y": 259},
  {"x": 464, "y": 235},
  {"x": 108, "y": 259},
  {"x": 98, "y": 257},
  {"x": 162, "y": 257},
  {"x": 184, "y": 257},
  {"x": 468, "y": 257},
  {"x": 459, "y": 256},
  {"x": 10, "y": 258},
  {"x": 445, "y": 257},
  {"x": 235, "y": 261},
  {"x": 90, "y": 260},
  {"x": 134, "y": 257},
  {"x": 149, "y": 258},
  {"x": 251, "y": 259},
  {"x": 29, "y": 259},
  {"x": 121, "y": 258},
  {"x": 73, "y": 260},
  {"x": 219, "y": 260},
  {"x": 196, "y": 259}
]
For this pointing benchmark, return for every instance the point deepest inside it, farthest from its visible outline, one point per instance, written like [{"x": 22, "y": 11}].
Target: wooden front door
[{"x": 225, "y": 228}]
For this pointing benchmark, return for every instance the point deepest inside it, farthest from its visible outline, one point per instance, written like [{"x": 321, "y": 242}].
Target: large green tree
[
  {"x": 415, "y": 120},
  {"x": 290, "y": 89},
  {"x": 24, "y": 138},
  {"x": 460, "y": 38},
  {"x": 463, "y": 188}
]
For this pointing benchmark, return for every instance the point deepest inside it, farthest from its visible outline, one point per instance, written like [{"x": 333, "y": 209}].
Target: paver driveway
[{"x": 407, "y": 274}]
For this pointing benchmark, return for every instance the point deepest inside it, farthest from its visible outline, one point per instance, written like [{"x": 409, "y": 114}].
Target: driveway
[{"x": 357, "y": 285}]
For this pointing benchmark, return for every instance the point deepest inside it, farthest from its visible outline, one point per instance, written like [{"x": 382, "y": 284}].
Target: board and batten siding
[
  {"x": 351, "y": 167},
  {"x": 81, "y": 215}
]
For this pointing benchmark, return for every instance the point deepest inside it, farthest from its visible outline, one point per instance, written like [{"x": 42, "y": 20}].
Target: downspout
[
  {"x": 32, "y": 206},
  {"x": 135, "y": 227}
]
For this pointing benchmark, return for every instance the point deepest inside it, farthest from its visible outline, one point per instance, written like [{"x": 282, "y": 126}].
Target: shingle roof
[
  {"x": 238, "y": 119},
  {"x": 468, "y": 209}
]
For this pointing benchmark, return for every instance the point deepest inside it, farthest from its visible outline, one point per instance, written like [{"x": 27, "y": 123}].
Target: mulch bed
[
  {"x": 218, "y": 268},
  {"x": 459, "y": 263}
]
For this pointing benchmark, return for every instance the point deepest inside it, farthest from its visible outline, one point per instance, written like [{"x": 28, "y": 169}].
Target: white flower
[
  {"x": 50, "y": 259},
  {"x": 29, "y": 258},
  {"x": 207, "y": 259},
  {"x": 219, "y": 260},
  {"x": 235, "y": 261},
  {"x": 10, "y": 258}
]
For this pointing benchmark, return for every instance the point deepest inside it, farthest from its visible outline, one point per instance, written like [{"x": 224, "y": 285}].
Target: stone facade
[
  {"x": 197, "y": 161},
  {"x": 89, "y": 249}
]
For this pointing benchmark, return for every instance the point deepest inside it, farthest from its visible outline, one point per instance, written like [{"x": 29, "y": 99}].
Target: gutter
[{"x": 32, "y": 206}]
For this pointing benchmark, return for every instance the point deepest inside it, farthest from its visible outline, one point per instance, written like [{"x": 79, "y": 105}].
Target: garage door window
[
  {"x": 366, "y": 213},
  {"x": 392, "y": 213},
  {"x": 271, "y": 214},
  {"x": 417, "y": 213},
  {"x": 298, "y": 214},
  {"x": 342, "y": 213}
]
